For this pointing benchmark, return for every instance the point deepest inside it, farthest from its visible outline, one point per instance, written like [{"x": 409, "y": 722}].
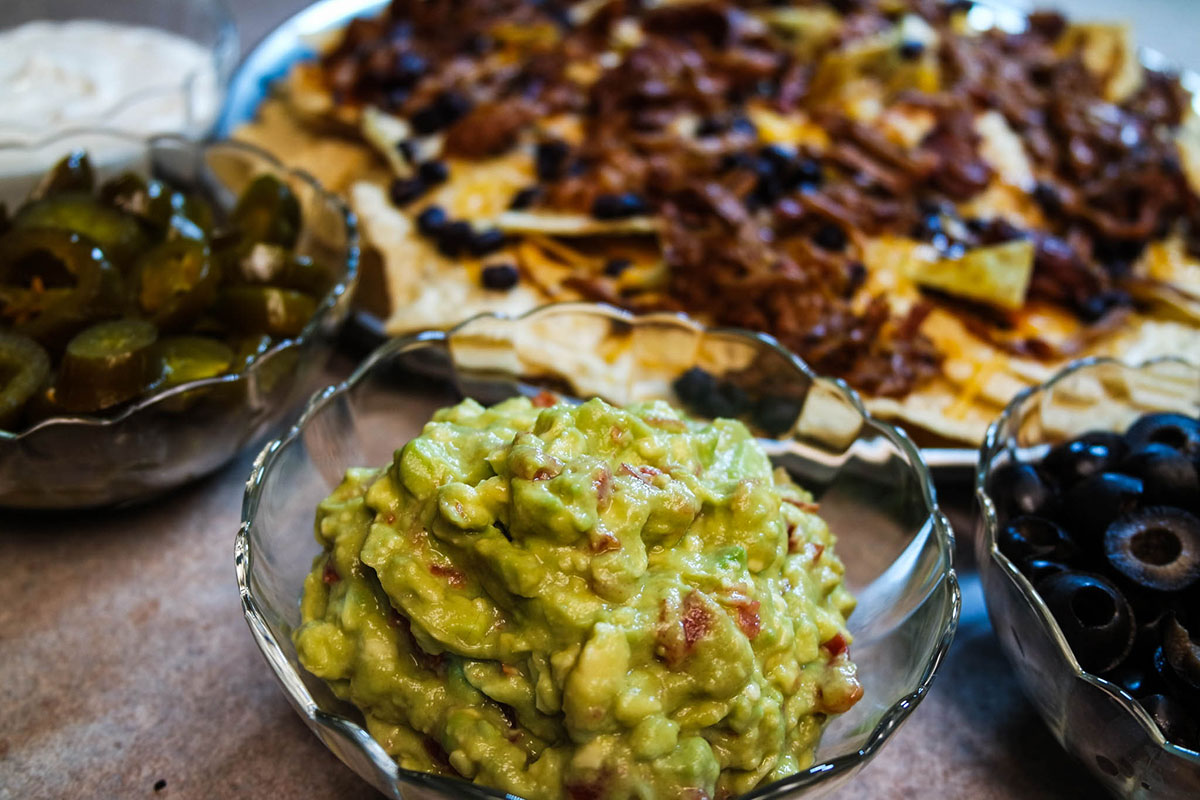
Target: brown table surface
[
  {"x": 125, "y": 662},
  {"x": 126, "y": 669}
]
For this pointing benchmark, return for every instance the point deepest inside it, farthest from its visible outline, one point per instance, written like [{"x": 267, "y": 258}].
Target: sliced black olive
[
  {"x": 1157, "y": 547},
  {"x": 1084, "y": 456},
  {"x": 24, "y": 367},
  {"x": 72, "y": 174},
  {"x": 1169, "y": 477},
  {"x": 1177, "y": 724},
  {"x": 1029, "y": 537},
  {"x": 105, "y": 365},
  {"x": 1134, "y": 679},
  {"x": 1094, "y": 617},
  {"x": 1037, "y": 569},
  {"x": 1093, "y": 503},
  {"x": 1019, "y": 489},
  {"x": 1177, "y": 431},
  {"x": 1182, "y": 652}
]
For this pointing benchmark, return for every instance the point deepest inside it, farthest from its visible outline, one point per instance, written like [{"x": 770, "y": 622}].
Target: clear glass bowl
[
  {"x": 186, "y": 104},
  {"x": 173, "y": 436},
  {"x": 1092, "y": 718},
  {"x": 872, "y": 485}
]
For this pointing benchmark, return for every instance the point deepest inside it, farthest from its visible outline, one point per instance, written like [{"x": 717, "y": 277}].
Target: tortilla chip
[
  {"x": 997, "y": 275},
  {"x": 554, "y": 223}
]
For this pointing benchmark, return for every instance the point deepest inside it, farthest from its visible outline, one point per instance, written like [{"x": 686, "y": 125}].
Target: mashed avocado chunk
[{"x": 582, "y": 601}]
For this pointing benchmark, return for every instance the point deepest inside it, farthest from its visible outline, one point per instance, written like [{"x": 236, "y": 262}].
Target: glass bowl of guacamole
[{"x": 580, "y": 554}]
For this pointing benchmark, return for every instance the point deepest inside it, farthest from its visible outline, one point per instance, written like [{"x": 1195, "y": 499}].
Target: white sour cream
[{"x": 57, "y": 76}]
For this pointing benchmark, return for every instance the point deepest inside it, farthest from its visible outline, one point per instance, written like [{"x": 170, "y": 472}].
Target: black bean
[
  {"x": 431, "y": 221},
  {"x": 486, "y": 241},
  {"x": 807, "y": 172},
  {"x": 454, "y": 237},
  {"x": 427, "y": 120},
  {"x": 524, "y": 198},
  {"x": 407, "y": 149},
  {"x": 618, "y": 206},
  {"x": 405, "y": 190},
  {"x": 433, "y": 172},
  {"x": 710, "y": 126},
  {"x": 550, "y": 158},
  {"x": 615, "y": 266},
  {"x": 743, "y": 126},
  {"x": 499, "y": 277},
  {"x": 409, "y": 67},
  {"x": 830, "y": 237},
  {"x": 911, "y": 49}
]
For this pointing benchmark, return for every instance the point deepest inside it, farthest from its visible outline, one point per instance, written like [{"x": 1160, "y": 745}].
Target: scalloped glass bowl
[
  {"x": 171, "y": 437},
  {"x": 186, "y": 104},
  {"x": 1093, "y": 719},
  {"x": 872, "y": 485}
]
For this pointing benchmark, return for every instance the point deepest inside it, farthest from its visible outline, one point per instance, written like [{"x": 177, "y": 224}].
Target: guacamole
[{"x": 582, "y": 601}]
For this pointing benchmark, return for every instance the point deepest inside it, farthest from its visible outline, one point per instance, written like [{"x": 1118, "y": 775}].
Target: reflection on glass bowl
[
  {"x": 169, "y": 437},
  {"x": 1098, "y": 723},
  {"x": 871, "y": 484},
  {"x": 143, "y": 67}
]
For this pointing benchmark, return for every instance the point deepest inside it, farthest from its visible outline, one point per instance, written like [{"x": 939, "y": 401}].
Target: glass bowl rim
[
  {"x": 991, "y": 523},
  {"x": 224, "y": 50},
  {"x": 304, "y": 703},
  {"x": 347, "y": 279}
]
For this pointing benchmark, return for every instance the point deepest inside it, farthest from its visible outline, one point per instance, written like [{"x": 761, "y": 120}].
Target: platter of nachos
[{"x": 939, "y": 203}]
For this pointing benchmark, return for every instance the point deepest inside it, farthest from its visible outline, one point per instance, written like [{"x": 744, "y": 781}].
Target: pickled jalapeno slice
[
  {"x": 174, "y": 283},
  {"x": 73, "y": 173},
  {"x": 266, "y": 309},
  {"x": 184, "y": 359},
  {"x": 24, "y": 367},
  {"x": 179, "y": 214},
  {"x": 270, "y": 264},
  {"x": 268, "y": 211},
  {"x": 52, "y": 282},
  {"x": 107, "y": 364},
  {"x": 128, "y": 192},
  {"x": 247, "y": 348},
  {"x": 118, "y": 234}
]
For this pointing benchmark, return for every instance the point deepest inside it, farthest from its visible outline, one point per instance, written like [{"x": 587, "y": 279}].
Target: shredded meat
[{"x": 776, "y": 247}]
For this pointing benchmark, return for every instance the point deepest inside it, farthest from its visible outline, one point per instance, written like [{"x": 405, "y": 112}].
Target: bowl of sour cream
[{"x": 141, "y": 67}]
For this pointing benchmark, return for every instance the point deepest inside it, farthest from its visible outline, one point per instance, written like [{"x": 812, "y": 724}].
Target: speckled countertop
[{"x": 126, "y": 669}]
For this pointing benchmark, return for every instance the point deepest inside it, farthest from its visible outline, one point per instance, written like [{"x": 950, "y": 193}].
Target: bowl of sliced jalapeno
[{"x": 160, "y": 315}]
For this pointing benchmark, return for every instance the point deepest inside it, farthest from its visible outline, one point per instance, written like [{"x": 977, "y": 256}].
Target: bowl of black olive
[
  {"x": 1089, "y": 555},
  {"x": 159, "y": 313}
]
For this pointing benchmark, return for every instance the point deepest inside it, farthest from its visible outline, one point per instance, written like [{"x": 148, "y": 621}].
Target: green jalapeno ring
[
  {"x": 268, "y": 211},
  {"x": 174, "y": 283},
  {"x": 119, "y": 235},
  {"x": 282, "y": 313},
  {"x": 106, "y": 364},
  {"x": 24, "y": 368},
  {"x": 53, "y": 282},
  {"x": 184, "y": 359}
]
